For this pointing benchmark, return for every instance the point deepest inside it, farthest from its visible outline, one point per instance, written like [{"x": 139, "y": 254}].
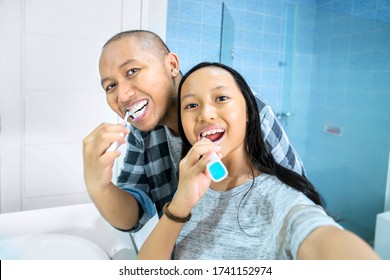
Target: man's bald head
[{"x": 147, "y": 40}]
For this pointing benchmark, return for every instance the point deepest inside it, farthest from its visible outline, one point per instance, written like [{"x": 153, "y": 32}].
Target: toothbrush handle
[
  {"x": 116, "y": 144},
  {"x": 113, "y": 146},
  {"x": 216, "y": 168}
]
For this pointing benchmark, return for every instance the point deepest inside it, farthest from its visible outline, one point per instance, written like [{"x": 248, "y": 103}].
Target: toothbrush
[
  {"x": 116, "y": 144},
  {"x": 216, "y": 168}
]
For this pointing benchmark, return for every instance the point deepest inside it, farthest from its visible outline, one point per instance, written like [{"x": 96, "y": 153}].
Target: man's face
[{"x": 138, "y": 80}]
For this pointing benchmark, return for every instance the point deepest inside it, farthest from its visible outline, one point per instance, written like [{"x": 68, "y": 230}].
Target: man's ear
[{"x": 173, "y": 61}]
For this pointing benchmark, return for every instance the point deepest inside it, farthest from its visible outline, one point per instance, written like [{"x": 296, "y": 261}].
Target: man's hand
[{"x": 97, "y": 162}]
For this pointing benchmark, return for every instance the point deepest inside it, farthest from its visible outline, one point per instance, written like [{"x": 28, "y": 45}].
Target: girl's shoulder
[{"x": 270, "y": 187}]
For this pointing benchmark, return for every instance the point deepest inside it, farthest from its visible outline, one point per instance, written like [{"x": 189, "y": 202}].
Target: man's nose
[{"x": 125, "y": 92}]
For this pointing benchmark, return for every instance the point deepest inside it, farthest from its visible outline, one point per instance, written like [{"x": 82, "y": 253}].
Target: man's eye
[
  {"x": 110, "y": 87},
  {"x": 132, "y": 71},
  {"x": 191, "y": 106}
]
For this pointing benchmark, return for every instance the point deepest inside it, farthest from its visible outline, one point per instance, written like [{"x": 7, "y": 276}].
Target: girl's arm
[
  {"x": 193, "y": 184},
  {"x": 332, "y": 243},
  {"x": 160, "y": 243}
]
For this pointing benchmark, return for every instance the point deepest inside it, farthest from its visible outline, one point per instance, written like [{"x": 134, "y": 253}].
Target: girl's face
[{"x": 213, "y": 106}]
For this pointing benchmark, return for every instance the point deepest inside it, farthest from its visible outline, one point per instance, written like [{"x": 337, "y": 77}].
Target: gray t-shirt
[
  {"x": 266, "y": 221},
  {"x": 174, "y": 145}
]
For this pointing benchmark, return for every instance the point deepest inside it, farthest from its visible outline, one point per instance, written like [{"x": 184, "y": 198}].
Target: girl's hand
[{"x": 194, "y": 179}]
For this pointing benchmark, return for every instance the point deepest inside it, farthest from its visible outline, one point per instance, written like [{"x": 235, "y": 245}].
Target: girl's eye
[
  {"x": 110, "y": 87},
  {"x": 191, "y": 106},
  {"x": 222, "y": 98},
  {"x": 132, "y": 71}
]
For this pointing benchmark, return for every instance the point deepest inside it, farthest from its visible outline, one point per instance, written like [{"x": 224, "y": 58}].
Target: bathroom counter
[
  {"x": 382, "y": 235},
  {"x": 82, "y": 221}
]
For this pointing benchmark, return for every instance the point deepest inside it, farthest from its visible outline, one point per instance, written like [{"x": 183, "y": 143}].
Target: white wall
[
  {"x": 10, "y": 104},
  {"x": 51, "y": 96}
]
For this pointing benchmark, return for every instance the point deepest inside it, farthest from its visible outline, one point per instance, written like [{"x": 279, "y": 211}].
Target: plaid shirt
[{"x": 149, "y": 173}]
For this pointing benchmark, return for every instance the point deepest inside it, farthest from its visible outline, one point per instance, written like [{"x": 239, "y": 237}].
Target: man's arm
[
  {"x": 118, "y": 207},
  {"x": 276, "y": 140}
]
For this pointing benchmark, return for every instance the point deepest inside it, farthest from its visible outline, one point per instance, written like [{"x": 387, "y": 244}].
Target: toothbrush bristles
[{"x": 126, "y": 116}]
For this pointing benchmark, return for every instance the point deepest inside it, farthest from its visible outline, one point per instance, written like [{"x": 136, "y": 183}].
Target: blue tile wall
[
  {"x": 349, "y": 85},
  {"x": 259, "y": 31},
  {"x": 259, "y": 28}
]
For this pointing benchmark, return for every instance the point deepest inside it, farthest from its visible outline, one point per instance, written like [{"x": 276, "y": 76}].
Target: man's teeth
[
  {"x": 213, "y": 131},
  {"x": 138, "y": 109}
]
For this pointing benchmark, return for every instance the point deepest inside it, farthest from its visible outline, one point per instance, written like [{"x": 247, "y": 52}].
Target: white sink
[
  {"x": 50, "y": 247},
  {"x": 66, "y": 232}
]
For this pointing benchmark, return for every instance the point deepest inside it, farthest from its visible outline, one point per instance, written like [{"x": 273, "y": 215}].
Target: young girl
[{"x": 261, "y": 210}]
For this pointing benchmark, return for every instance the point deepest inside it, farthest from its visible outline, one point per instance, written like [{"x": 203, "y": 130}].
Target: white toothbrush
[
  {"x": 116, "y": 144},
  {"x": 216, "y": 168}
]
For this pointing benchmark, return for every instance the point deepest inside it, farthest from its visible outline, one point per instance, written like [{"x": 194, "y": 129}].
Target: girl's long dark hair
[{"x": 261, "y": 159}]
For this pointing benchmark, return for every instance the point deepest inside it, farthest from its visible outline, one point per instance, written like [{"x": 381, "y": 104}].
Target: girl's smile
[{"x": 213, "y": 133}]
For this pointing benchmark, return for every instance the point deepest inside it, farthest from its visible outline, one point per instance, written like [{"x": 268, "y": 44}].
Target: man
[{"x": 141, "y": 75}]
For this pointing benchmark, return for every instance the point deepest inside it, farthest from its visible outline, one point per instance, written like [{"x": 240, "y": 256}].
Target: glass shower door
[
  {"x": 336, "y": 88},
  {"x": 226, "y": 54}
]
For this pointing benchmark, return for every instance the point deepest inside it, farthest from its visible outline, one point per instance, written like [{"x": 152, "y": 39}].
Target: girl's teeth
[{"x": 213, "y": 131}]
